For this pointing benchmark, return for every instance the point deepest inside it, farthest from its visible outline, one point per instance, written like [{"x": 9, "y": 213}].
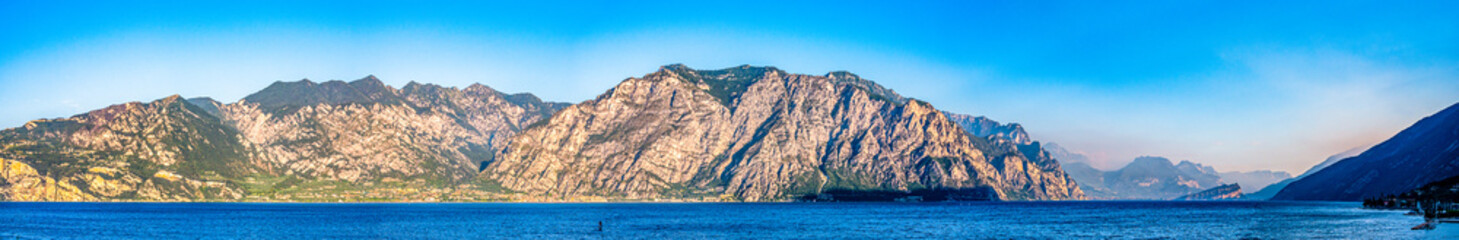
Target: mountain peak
[
  {"x": 171, "y": 98},
  {"x": 479, "y": 88},
  {"x": 1152, "y": 161},
  {"x": 724, "y": 84},
  {"x": 842, "y": 75},
  {"x": 370, "y": 80},
  {"x": 286, "y": 95},
  {"x": 675, "y": 67}
]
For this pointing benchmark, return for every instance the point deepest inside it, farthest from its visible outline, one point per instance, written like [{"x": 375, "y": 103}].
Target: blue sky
[{"x": 1237, "y": 85}]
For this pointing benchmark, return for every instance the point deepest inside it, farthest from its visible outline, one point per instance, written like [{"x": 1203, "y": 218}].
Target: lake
[{"x": 961, "y": 220}]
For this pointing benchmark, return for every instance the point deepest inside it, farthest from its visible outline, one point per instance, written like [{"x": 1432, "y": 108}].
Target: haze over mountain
[
  {"x": 1095, "y": 183},
  {"x": 1426, "y": 152},
  {"x": 1271, "y": 190},
  {"x": 1255, "y": 180},
  {"x": 744, "y": 133}
]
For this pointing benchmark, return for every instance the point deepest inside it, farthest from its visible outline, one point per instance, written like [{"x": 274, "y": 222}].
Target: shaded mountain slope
[{"x": 1422, "y": 153}]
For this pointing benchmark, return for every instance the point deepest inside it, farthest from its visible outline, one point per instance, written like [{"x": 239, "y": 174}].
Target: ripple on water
[{"x": 1020, "y": 220}]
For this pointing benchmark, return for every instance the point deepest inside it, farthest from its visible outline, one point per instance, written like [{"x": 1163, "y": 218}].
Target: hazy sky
[{"x": 1236, "y": 85}]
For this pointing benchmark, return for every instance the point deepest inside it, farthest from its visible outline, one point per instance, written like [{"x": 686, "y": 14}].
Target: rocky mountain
[
  {"x": 168, "y": 149},
  {"x": 291, "y": 141},
  {"x": 759, "y": 133},
  {"x": 1255, "y": 179},
  {"x": 1223, "y": 192},
  {"x": 365, "y": 130},
  {"x": 1271, "y": 190},
  {"x": 1426, "y": 152},
  {"x": 745, "y": 133}
]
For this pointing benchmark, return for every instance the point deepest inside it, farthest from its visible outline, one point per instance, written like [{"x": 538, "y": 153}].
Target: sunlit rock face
[
  {"x": 200, "y": 149},
  {"x": 746, "y": 133},
  {"x": 166, "y": 149},
  {"x": 758, "y": 133}
]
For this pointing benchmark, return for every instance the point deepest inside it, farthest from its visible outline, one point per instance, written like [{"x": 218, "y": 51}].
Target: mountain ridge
[
  {"x": 757, "y": 134},
  {"x": 1425, "y": 152},
  {"x": 743, "y": 134}
]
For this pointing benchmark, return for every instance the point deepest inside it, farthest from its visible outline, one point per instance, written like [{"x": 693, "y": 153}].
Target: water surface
[{"x": 963, "y": 220}]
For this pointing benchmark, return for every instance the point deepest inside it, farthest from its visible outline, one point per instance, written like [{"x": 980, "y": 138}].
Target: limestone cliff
[{"x": 759, "y": 133}]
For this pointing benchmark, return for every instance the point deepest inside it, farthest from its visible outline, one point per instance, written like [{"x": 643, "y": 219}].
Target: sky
[{"x": 1237, "y": 85}]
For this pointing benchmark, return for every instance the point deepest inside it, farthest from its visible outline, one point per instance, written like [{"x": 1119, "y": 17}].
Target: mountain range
[
  {"x": 1157, "y": 178},
  {"x": 739, "y": 134}
]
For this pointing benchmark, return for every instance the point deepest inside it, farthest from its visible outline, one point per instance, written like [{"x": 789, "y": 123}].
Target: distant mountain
[
  {"x": 759, "y": 133},
  {"x": 1223, "y": 192},
  {"x": 1271, "y": 190},
  {"x": 1333, "y": 159},
  {"x": 1090, "y": 180},
  {"x": 1158, "y": 178},
  {"x": 1205, "y": 176},
  {"x": 1255, "y": 179},
  {"x": 1064, "y": 155},
  {"x": 1423, "y": 153}
]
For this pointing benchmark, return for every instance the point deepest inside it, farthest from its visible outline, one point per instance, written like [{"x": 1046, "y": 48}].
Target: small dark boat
[{"x": 1425, "y": 226}]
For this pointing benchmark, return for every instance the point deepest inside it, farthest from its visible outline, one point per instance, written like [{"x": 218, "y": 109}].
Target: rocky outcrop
[
  {"x": 758, "y": 133},
  {"x": 1223, "y": 192},
  {"x": 1426, "y": 152},
  {"x": 20, "y": 182}
]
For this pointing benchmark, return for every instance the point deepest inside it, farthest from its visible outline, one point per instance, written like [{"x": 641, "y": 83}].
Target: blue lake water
[{"x": 962, "y": 220}]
